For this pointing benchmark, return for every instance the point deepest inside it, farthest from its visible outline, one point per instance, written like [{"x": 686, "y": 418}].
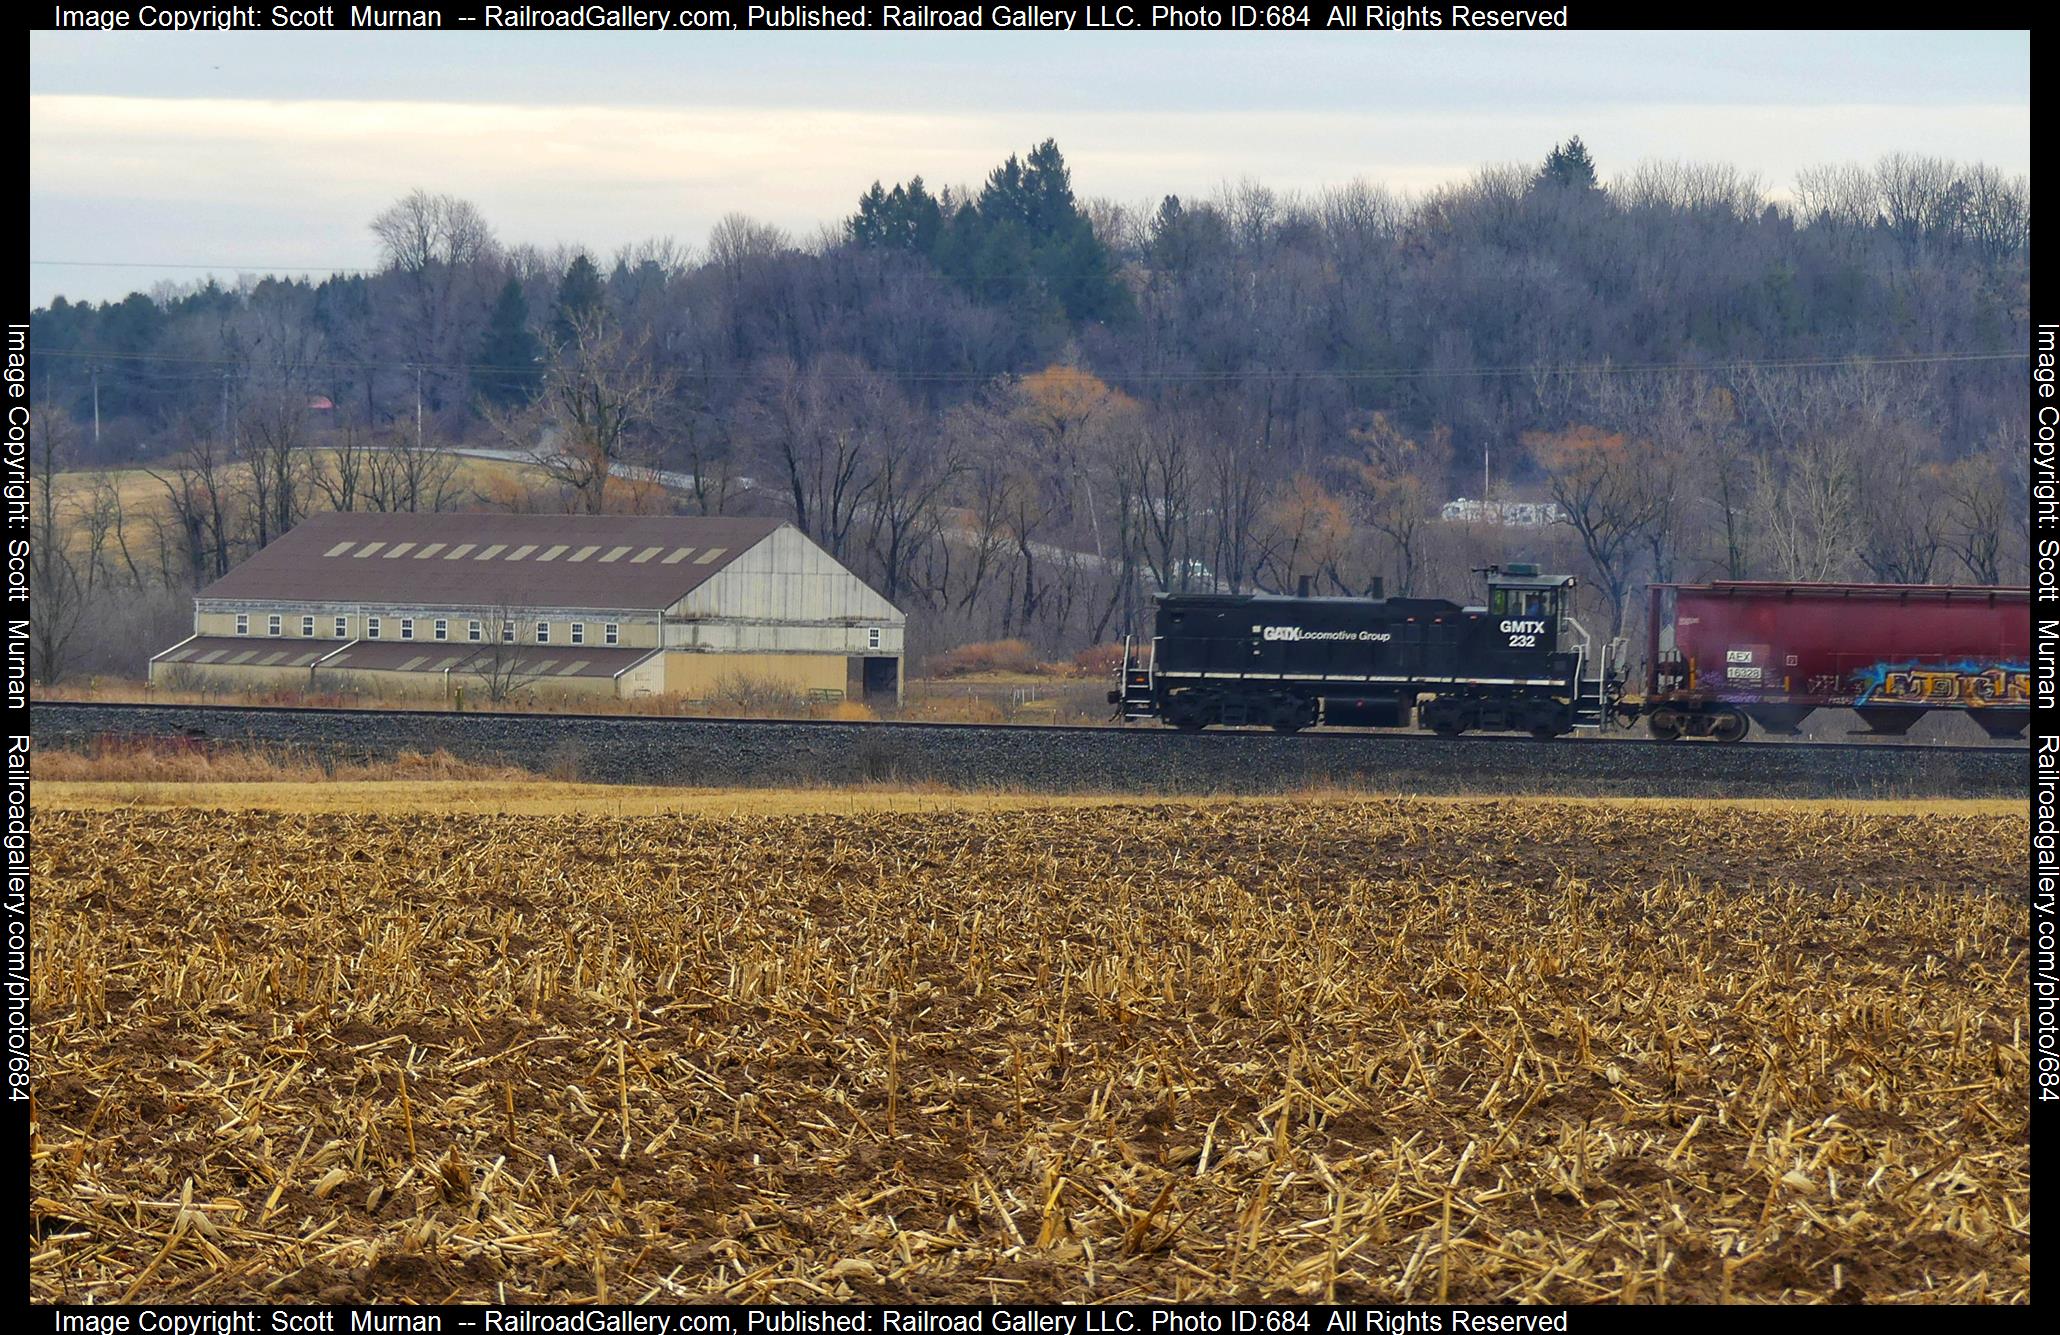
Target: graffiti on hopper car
[{"x": 1970, "y": 685}]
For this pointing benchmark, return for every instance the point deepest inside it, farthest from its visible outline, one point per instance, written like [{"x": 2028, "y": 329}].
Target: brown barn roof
[
  {"x": 538, "y": 662},
  {"x": 487, "y": 560},
  {"x": 250, "y": 651}
]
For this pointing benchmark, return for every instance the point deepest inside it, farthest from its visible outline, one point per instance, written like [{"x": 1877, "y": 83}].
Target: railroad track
[{"x": 626, "y": 748}]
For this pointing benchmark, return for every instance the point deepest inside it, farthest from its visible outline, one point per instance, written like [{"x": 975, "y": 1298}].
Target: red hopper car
[{"x": 1720, "y": 654}]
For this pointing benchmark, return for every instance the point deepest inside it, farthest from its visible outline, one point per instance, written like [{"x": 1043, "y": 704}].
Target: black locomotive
[{"x": 1518, "y": 663}]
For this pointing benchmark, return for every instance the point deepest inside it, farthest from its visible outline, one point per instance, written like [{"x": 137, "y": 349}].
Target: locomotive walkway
[{"x": 764, "y": 753}]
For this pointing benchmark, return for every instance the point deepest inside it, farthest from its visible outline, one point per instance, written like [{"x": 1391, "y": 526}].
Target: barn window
[
  {"x": 342, "y": 627},
  {"x": 507, "y": 632},
  {"x": 307, "y": 627},
  {"x": 579, "y": 632},
  {"x": 872, "y": 637},
  {"x": 543, "y": 632},
  {"x": 612, "y": 633},
  {"x": 407, "y": 628},
  {"x": 371, "y": 628},
  {"x": 443, "y": 629},
  {"x": 472, "y": 629},
  {"x": 243, "y": 623},
  {"x": 273, "y": 624}
]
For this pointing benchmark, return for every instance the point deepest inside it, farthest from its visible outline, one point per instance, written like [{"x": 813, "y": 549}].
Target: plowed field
[{"x": 1370, "y": 1051}]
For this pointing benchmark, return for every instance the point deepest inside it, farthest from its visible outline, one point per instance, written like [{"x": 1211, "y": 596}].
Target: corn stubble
[{"x": 1363, "y": 1052}]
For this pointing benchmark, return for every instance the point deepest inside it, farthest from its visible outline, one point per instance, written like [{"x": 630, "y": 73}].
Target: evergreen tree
[
  {"x": 1568, "y": 165},
  {"x": 1022, "y": 242},
  {"x": 510, "y": 358},
  {"x": 580, "y": 298},
  {"x": 904, "y": 218}
]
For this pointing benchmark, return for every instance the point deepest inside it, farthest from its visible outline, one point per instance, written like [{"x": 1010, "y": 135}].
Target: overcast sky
[{"x": 160, "y": 157}]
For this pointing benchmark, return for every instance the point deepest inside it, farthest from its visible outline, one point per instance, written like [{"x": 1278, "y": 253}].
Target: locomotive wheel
[
  {"x": 1729, "y": 725},
  {"x": 1544, "y": 732},
  {"x": 1189, "y": 723},
  {"x": 1448, "y": 729},
  {"x": 1294, "y": 716}
]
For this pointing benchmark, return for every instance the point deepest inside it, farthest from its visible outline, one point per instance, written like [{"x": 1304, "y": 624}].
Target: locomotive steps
[{"x": 760, "y": 753}]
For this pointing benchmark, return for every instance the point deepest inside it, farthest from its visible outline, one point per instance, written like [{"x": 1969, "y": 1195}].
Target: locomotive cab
[{"x": 1528, "y": 610}]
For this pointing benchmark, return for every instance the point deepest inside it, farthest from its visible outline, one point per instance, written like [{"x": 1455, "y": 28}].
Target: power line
[
  {"x": 1171, "y": 377},
  {"x": 216, "y": 268}
]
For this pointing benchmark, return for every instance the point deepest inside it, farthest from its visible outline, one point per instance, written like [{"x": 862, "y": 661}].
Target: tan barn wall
[
  {"x": 639, "y": 632},
  {"x": 646, "y": 678},
  {"x": 695, "y": 676}
]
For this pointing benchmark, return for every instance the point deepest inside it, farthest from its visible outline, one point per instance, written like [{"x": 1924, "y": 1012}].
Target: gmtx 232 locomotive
[{"x": 1519, "y": 663}]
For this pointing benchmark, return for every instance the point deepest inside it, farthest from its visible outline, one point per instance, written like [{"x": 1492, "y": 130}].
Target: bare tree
[
  {"x": 343, "y": 482},
  {"x": 1808, "y": 515},
  {"x": 1388, "y": 484},
  {"x": 1160, "y": 458},
  {"x": 822, "y": 432},
  {"x": 277, "y": 465},
  {"x": 1606, "y": 487},
  {"x": 1981, "y": 503},
  {"x": 200, "y": 487},
  {"x": 502, "y": 664},
  {"x": 916, "y": 468},
  {"x": 601, "y": 397},
  {"x": 1903, "y": 506},
  {"x": 984, "y": 435},
  {"x": 58, "y": 575},
  {"x": 435, "y": 246}
]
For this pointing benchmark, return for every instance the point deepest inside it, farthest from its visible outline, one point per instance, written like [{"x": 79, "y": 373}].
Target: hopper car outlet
[{"x": 1719, "y": 659}]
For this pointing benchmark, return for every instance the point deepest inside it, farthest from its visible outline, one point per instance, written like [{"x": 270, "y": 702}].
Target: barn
[{"x": 513, "y": 607}]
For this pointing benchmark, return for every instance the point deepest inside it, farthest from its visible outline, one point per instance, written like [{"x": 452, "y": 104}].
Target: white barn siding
[{"x": 785, "y": 595}]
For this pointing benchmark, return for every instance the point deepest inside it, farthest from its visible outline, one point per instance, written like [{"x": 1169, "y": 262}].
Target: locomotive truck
[{"x": 1719, "y": 658}]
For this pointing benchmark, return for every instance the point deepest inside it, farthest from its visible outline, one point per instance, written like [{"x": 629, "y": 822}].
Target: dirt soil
[{"x": 1376, "y": 1051}]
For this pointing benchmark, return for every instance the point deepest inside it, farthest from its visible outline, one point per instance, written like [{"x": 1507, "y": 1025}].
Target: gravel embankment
[{"x": 723, "y": 753}]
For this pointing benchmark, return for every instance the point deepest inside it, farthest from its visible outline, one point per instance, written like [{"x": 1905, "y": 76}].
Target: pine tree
[
  {"x": 580, "y": 298},
  {"x": 1022, "y": 242},
  {"x": 509, "y": 355},
  {"x": 1568, "y": 165}
]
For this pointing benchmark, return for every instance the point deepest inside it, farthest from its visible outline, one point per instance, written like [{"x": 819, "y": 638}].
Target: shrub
[
  {"x": 1101, "y": 660},
  {"x": 985, "y": 656},
  {"x": 742, "y": 694}
]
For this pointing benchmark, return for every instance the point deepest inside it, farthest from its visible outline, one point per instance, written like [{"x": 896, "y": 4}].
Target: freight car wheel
[
  {"x": 1448, "y": 729},
  {"x": 1729, "y": 725},
  {"x": 1664, "y": 725},
  {"x": 1544, "y": 732}
]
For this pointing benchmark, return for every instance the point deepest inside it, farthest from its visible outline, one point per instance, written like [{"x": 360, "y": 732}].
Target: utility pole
[
  {"x": 96, "y": 407},
  {"x": 225, "y": 410},
  {"x": 418, "y": 410}
]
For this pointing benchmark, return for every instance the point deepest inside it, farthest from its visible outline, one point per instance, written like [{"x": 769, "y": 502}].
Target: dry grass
[
  {"x": 160, "y": 761},
  {"x": 1463, "y": 1051},
  {"x": 520, "y": 793},
  {"x": 144, "y": 498}
]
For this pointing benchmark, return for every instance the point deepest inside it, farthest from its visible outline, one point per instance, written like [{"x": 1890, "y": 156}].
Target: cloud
[{"x": 241, "y": 181}]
